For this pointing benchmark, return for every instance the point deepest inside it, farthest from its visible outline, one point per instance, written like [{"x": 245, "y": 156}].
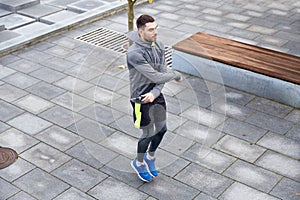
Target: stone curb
[{"x": 66, "y": 25}]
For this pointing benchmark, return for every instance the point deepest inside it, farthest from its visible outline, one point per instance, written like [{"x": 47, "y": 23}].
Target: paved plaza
[{"x": 65, "y": 107}]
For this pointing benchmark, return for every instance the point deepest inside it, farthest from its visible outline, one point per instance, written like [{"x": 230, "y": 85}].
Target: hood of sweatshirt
[{"x": 134, "y": 36}]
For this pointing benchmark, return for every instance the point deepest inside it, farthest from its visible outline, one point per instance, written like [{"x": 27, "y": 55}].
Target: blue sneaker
[
  {"x": 151, "y": 166},
  {"x": 141, "y": 171}
]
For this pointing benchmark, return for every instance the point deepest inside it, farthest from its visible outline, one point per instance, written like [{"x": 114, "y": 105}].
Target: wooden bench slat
[
  {"x": 202, "y": 38},
  {"x": 268, "y": 62},
  {"x": 262, "y": 68},
  {"x": 256, "y": 61},
  {"x": 249, "y": 50}
]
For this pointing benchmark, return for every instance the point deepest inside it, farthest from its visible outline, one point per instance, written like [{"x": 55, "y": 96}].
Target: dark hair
[{"x": 144, "y": 19}]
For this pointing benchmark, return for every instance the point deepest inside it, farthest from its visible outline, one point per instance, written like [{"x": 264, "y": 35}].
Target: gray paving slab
[
  {"x": 83, "y": 73},
  {"x": 100, "y": 95},
  {"x": 242, "y": 130},
  {"x": 73, "y": 84},
  {"x": 17, "y": 170},
  {"x": 103, "y": 114},
  {"x": 268, "y": 122},
  {"x": 281, "y": 164},
  {"x": 91, "y": 129},
  {"x": 47, "y": 75},
  {"x": 209, "y": 158},
  {"x": 72, "y": 101},
  {"x": 203, "y": 99},
  {"x": 109, "y": 82},
  {"x": 5, "y": 71},
  {"x": 239, "y": 148},
  {"x": 79, "y": 175},
  {"x": 3, "y": 127},
  {"x": 253, "y": 176},
  {"x": 174, "y": 168},
  {"x": 240, "y": 191},
  {"x": 33, "y": 55},
  {"x": 30, "y": 29},
  {"x": 232, "y": 110},
  {"x": 60, "y": 116},
  {"x": 41, "y": 185},
  {"x": 123, "y": 125},
  {"x": 58, "y": 137},
  {"x": 25, "y": 66},
  {"x": 120, "y": 169},
  {"x": 2, "y": 14},
  {"x": 8, "y": 111},
  {"x": 7, "y": 35},
  {"x": 281, "y": 144},
  {"x": 176, "y": 144},
  {"x": 45, "y": 90},
  {"x": 114, "y": 189},
  {"x": 61, "y": 4},
  {"x": 286, "y": 189},
  {"x": 175, "y": 105},
  {"x": 175, "y": 121},
  {"x": 83, "y": 6},
  {"x": 45, "y": 157},
  {"x": 294, "y": 133},
  {"x": 29, "y": 123},
  {"x": 203, "y": 196},
  {"x": 121, "y": 143},
  {"x": 14, "y": 5},
  {"x": 171, "y": 185},
  {"x": 233, "y": 95},
  {"x": 270, "y": 107},
  {"x": 56, "y": 17},
  {"x": 17, "y": 140},
  {"x": 199, "y": 133},
  {"x": 21, "y": 80},
  {"x": 213, "y": 185},
  {"x": 15, "y": 20},
  {"x": 91, "y": 153},
  {"x": 7, "y": 189},
  {"x": 39, "y": 10},
  {"x": 22, "y": 195},
  {"x": 74, "y": 194},
  {"x": 204, "y": 116}
]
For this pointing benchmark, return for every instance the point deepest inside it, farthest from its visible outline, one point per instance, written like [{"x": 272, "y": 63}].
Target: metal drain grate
[
  {"x": 115, "y": 41},
  {"x": 106, "y": 38}
]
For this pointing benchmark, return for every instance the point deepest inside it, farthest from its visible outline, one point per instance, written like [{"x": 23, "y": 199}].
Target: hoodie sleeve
[
  {"x": 163, "y": 68},
  {"x": 137, "y": 61}
]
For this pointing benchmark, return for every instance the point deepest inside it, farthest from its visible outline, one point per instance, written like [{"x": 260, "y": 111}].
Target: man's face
[{"x": 148, "y": 33}]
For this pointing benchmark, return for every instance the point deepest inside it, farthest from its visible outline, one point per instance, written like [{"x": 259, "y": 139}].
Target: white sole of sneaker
[{"x": 131, "y": 163}]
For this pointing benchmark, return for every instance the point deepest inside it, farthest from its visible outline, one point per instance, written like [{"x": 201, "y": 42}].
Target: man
[{"x": 147, "y": 74}]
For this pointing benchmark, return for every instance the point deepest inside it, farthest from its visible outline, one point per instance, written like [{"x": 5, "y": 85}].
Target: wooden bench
[{"x": 270, "y": 67}]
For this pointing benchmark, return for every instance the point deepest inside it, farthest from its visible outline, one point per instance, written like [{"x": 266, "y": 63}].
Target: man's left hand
[{"x": 148, "y": 97}]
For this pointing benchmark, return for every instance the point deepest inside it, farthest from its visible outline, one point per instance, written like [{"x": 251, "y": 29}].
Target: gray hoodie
[{"x": 147, "y": 67}]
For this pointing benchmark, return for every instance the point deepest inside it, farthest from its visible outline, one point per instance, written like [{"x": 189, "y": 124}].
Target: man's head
[{"x": 147, "y": 28}]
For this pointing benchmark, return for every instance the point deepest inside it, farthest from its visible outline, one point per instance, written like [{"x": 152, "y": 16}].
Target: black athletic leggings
[{"x": 151, "y": 136}]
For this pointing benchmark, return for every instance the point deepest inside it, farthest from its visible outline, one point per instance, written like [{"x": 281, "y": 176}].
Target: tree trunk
[{"x": 130, "y": 14}]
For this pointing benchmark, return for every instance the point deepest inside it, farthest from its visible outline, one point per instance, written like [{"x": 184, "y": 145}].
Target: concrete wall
[{"x": 258, "y": 84}]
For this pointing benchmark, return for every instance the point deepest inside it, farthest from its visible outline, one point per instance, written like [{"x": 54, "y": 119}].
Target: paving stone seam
[
  {"x": 180, "y": 180},
  {"x": 73, "y": 186},
  {"x": 278, "y": 173},
  {"x": 278, "y": 182},
  {"x": 257, "y": 189},
  {"x": 259, "y": 167}
]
